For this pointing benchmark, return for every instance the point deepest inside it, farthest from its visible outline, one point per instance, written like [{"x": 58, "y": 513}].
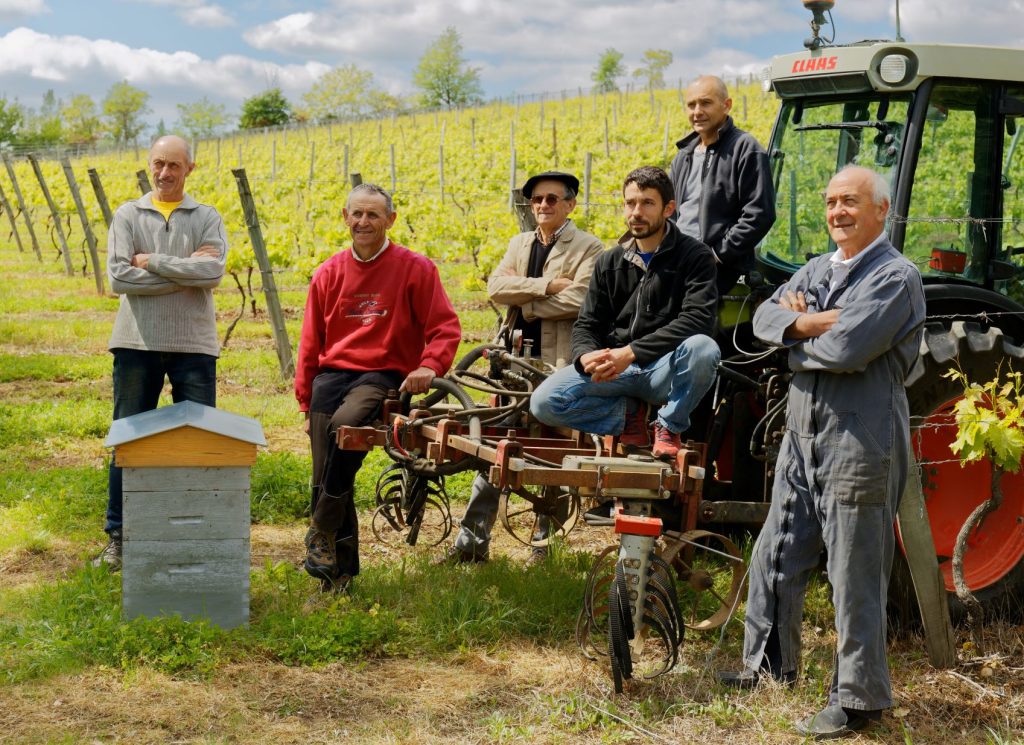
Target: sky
[{"x": 179, "y": 51}]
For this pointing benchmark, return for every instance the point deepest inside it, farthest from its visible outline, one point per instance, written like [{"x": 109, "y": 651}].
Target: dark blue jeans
[{"x": 138, "y": 380}]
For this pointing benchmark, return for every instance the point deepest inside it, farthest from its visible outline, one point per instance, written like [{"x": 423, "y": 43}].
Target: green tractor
[{"x": 943, "y": 123}]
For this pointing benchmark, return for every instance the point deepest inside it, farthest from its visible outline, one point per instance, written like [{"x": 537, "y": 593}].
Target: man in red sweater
[{"x": 377, "y": 318}]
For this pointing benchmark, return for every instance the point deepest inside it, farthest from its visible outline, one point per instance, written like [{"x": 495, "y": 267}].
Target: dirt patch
[
  {"x": 25, "y": 567},
  {"x": 521, "y": 693}
]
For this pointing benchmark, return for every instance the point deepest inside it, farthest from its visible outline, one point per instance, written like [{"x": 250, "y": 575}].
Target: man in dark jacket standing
[
  {"x": 642, "y": 335},
  {"x": 722, "y": 182}
]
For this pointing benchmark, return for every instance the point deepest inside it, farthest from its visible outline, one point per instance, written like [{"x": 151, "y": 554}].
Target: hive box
[{"x": 186, "y": 511}]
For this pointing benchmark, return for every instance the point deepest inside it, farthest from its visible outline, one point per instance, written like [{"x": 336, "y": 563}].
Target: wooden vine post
[
  {"x": 90, "y": 237},
  {"x": 524, "y": 214},
  {"x": 21, "y": 206},
  {"x": 57, "y": 227},
  {"x": 101, "y": 196},
  {"x": 259, "y": 248},
  {"x": 142, "y": 176},
  {"x": 929, "y": 588},
  {"x": 10, "y": 216}
]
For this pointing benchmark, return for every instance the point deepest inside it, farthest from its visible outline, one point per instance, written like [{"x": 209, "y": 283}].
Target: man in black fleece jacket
[
  {"x": 642, "y": 336},
  {"x": 722, "y": 182}
]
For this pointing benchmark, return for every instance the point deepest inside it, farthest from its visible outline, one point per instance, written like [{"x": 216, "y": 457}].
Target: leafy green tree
[
  {"x": 124, "y": 108},
  {"x": 43, "y": 128},
  {"x": 381, "y": 102},
  {"x": 81, "y": 122},
  {"x": 267, "y": 109},
  {"x": 11, "y": 117},
  {"x": 201, "y": 119},
  {"x": 652, "y": 72},
  {"x": 443, "y": 75},
  {"x": 342, "y": 92},
  {"x": 609, "y": 69}
]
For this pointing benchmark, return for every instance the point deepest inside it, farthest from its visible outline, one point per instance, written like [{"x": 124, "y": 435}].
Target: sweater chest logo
[{"x": 367, "y": 311}]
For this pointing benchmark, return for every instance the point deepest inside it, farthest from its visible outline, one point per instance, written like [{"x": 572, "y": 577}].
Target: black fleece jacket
[
  {"x": 737, "y": 201},
  {"x": 653, "y": 311}
]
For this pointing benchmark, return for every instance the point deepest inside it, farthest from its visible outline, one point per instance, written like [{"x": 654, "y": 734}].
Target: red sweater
[{"x": 389, "y": 314}]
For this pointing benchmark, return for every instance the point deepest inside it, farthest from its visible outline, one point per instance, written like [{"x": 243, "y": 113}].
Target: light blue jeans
[{"x": 678, "y": 381}]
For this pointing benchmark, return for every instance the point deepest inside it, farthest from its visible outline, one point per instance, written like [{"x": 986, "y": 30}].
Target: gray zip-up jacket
[
  {"x": 169, "y": 306},
  {"x": 847, "y": 392}
]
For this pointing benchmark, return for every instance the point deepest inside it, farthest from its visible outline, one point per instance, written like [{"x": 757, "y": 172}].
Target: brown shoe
[
  {"x": 456, "y": 555},
  {"x": 110, "y": 556},
  {"x": 321, "y": 561},
  {"x": 636, "y": 430},
  {"x": 538, "y": 555}
]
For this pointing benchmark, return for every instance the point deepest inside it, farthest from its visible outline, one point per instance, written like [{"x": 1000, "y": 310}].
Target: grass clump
[
  {"x": 40, "y": 506},
  {"x": 279, "y": 487}
]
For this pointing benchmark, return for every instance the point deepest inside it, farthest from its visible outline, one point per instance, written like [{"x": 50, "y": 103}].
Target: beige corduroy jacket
[{"x": 572, "y": 256}]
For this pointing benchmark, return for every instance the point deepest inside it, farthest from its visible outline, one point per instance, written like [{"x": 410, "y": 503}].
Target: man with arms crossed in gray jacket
[
  {"x": 165, "y": 254},
  {"x": 852, "y": 321}
]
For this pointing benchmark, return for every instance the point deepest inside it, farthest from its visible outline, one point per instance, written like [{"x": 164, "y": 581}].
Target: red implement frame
[{"x": 517, "y": 458}]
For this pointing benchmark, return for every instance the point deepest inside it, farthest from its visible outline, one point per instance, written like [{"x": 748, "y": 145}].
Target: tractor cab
[{"x": 943, "y": 123}]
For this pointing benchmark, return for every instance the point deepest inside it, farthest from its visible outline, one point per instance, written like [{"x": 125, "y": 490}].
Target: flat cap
[{"x": 566, "y": 178}]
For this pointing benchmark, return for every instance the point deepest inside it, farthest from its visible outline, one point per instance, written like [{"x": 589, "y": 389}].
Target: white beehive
[{"x": 186, "y": 511}]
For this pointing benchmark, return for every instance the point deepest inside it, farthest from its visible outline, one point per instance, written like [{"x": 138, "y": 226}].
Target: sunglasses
[{"x": 549, "y": 199}]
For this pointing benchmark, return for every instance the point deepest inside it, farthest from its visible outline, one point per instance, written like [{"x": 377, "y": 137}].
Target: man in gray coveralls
[{"x": 852, "y": 321}]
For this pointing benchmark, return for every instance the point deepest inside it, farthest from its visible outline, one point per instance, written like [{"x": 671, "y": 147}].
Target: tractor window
[
  {"x": 950, "y": 216},
  {"x": 1012, "y": 187},
  {"x": 811, "y": 143}
]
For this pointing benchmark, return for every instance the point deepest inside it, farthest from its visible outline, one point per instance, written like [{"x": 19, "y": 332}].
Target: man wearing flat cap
[{"x": 543, "y": 279}]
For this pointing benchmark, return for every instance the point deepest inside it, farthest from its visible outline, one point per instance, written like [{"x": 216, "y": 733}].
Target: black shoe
[
  {"x": 835, "y": 721},
  {"x": 456, "y": 555},
  {"x": 321, "y": 561},
  {"x": 110, "y": 556},
  {"x": 749, "y": 679}
]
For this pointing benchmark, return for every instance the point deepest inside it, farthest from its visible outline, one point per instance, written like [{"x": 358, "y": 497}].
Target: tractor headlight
[{"x": 896, "y": 69}]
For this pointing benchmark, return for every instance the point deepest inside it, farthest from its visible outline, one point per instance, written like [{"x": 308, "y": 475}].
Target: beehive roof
[{"x": 185, "y": 414}]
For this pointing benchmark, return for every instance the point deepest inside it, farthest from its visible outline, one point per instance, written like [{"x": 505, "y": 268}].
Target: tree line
[{"x": 443, "y": 78}]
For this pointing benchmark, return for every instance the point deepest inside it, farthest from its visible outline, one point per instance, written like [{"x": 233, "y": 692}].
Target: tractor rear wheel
[{"x": 994, "y": 560}]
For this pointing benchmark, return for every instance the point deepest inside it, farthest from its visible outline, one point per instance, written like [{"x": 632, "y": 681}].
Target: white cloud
[
  {"x": 21, "y": 8},
  {"x": 75, "y": 59},
  {"x": 207, "y": 16},
  {"x": 195, "y": 12},
  {"x": 996, "y": 22},
  {"x": 531, "y": 45}
]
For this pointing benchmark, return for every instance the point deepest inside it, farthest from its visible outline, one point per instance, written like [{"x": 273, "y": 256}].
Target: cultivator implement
[{"x": 642, "y": 593}]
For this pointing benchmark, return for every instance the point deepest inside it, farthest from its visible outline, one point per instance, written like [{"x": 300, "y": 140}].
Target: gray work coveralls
[{"x": 841, "y": 469}]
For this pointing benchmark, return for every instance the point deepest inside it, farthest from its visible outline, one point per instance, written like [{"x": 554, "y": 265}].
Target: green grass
[
  {"x": 41, "y": 421},
  {"x": 279, "y": 487},
  {"x": 53, "y": 367},
  {"x": 39, "y": 506},
  {"x": 397, "y": 609}
]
